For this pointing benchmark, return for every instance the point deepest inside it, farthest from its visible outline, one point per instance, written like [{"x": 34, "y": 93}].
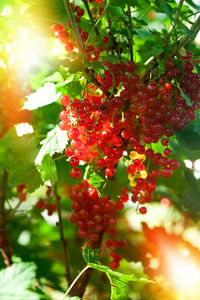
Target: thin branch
[
  {"x": 195, "y": 29},
  {"x": 130, "y": 28},
  {"x": 97, "y": 22},
  {"x": 80, "y": 286},
  {"x": 63, "y": 241},
  {"x": 176, "y": 17},
  {"x": 74, "y": 28},
  {"x": 75, "y": 280},
  {"x": 6, "y": 250},
  {"x": 3, "y": 193},
  {"x": 12, "y": 213},
  {"x": 90, "y": 15}
]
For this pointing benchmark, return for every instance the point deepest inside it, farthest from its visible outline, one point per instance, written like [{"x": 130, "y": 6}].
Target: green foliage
[
  {"x": 90, "y": 255},
  {"x": 118, "y": 281},
  {"x": 189, "y": 137},
  {"x": 16, "y": 280},
  {"x": 18, "y": 155},
  {"x": 48, "y": 170},
  {"x": 55, "y": 142}
]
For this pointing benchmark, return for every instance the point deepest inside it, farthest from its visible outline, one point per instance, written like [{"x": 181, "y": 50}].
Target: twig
[
  {"x": 195, "y": 28},
  {"x": 8, "y": 217},
  {"x": 74, "y": 28},
  {"x": 63, "y": 241},
  {"x": 3, "y": 193},
  {"x": 5, "y": 245},
  {"x": 90, "y": 15},
  {"x": 176, "y": 17},
  {"x": 80, "y": 286},
  {"x": 97, "y": 22},
  {"x": 130, "y": 28},
  {"x": 75, "y": 280}
]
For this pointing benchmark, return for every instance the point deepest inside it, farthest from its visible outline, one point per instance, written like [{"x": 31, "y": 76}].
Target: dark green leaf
[
  {"x": 166, "y": 9},
  {"x": 192, "y": 4},
  {"x": 90, "y": 255},
  {"x": 187, "y": 98},
  {"x": 189, "y": 138},
  {"x": 16, "y": 280},
  {"x": 197, "y": 68},
  {"x": 122, "y": 3}
]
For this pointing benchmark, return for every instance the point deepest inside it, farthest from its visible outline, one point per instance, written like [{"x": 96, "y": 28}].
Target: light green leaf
[
  {"x": 55, "y": 77},
  {"x": 55, "y": 142},
  {"x": 96, "y": 180},
  {"x": 16, "y": 280},
  {"x": 90, "y": 255},
  {"x": 119, "y": 281},
  {"x": 48, "y": 170}
]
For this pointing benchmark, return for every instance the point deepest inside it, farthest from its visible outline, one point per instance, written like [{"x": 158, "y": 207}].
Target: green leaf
[
  {"x": 187, "y": 99},
  {"x": 48, "y": 170},
  {"x": 166, "y": 9},
  {"x": 189, "y": 137},
  {"x": 197, "y": 68},
  {"x": 55, "y": 77},
  {"x": 16, "y": 280},
  {"x": 96, "y": 180},
  {"x": 90, "y": 255},
  {"x": 122, "y": 3},
  {"x": 119, "y": 281},
  {"x": 43, "y": 96},
  {"x": 55, "y": 142},
  {"x": 192, "y": 4},
  {"x": 17, "y": 157}
]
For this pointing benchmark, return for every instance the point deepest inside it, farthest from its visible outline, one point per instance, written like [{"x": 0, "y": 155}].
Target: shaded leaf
[{"x": 189, "y": 138}]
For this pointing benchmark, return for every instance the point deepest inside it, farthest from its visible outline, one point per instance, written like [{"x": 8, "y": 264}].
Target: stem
[
  {"x": 74, "y": 28},
  {"x": 8, "y": 217},
  {"x": 63, "y": 241},
  {"x": 176, "y": 17},
  {"x": 4, "y": 245},
  {"x": 195, "y": 28},
  {"x": 3, "y": 193},
  {"x": 99, "y": 19},
  {"x": 75, "y": 280},
  {"x": 130, "y": 28},
  {"x": 90, "y": 15}
]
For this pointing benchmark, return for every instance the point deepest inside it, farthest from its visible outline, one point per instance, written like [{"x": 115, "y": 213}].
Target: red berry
[{"x": 75, "y": 173}]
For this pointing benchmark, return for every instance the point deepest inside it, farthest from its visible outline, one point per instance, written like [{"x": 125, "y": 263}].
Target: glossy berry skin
[
  {"x": 75, "y": 173},
  {"x": 110, "y": 171},
  {"x": 74, "y": 161}
]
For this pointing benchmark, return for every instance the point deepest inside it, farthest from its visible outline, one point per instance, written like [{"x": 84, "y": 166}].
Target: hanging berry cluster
[
  {"x": 44, "y": 204},
  {"x": 119, "y": 117},
  {"x": 95, "y": 215}
]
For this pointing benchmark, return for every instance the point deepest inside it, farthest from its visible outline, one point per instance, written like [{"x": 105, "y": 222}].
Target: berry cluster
[
  {"x": 95, "y": 215},
  {"x": 21, "y": 189},
  {"x": 42, "y": 204},
  {"x": 119, "y": 118}
]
